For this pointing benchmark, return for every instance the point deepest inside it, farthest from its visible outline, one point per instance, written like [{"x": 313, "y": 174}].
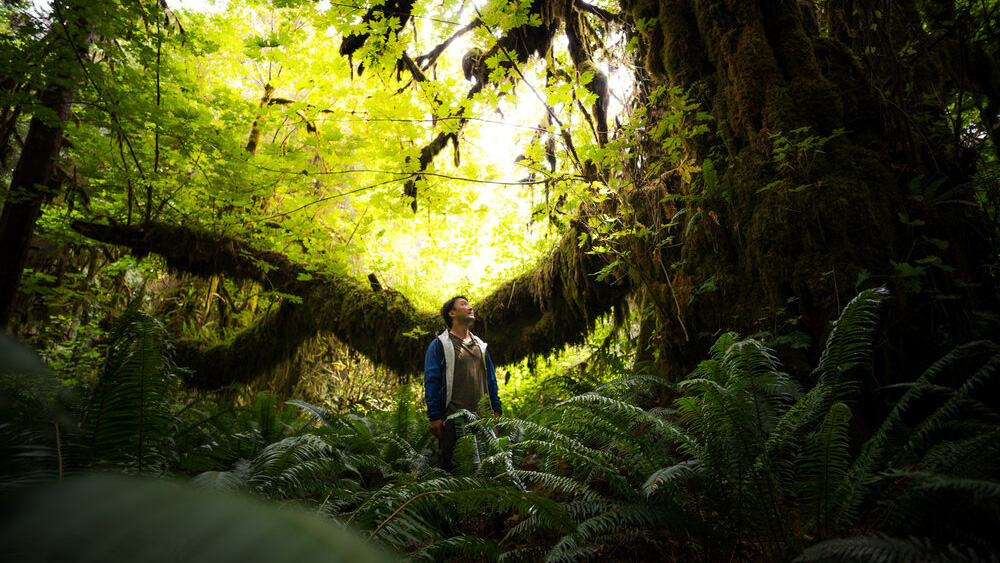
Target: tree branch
[
  {"x": 601, "y": 13},
  {"x": 428, "y": 60},
  {"x": 554, "y": 304}
]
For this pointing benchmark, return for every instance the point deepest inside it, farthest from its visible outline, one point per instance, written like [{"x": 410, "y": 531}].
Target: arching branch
[
  {"x": 428, "y": 60},
  {"x": 554, "y": 304}
]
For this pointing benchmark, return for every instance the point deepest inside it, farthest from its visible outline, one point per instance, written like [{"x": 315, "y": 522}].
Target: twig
[
  {"x": 548, "y": 108},
  {"x": 398, "y": 510},
  {"x": 673, "y": 293},
  {"x": 59, "y": 451},
  {"x": 428, "y": 60}
]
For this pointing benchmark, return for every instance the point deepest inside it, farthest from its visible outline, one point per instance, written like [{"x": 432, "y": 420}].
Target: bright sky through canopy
[{"x": 486, "y": 237}]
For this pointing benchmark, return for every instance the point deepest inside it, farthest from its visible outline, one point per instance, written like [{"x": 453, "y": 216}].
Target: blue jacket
[{"x": 439, "y": 374}]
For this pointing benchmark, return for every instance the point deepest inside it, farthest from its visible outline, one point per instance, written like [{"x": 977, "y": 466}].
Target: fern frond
[
  {"x": 265, "y": 414},
  {"x": 863, "y": 472},
  {"x": 825, "y": 465},
  {"x": 320, "y": 415},
  {"x": 640, "y": 440},
  {"x": 849, "y": 341},
  {"x": 666, "y": 476},
  {"x": 400, "y": 453},
  {"x": 404, "y": 415},
  {"x": 591, "y": 463},
  {"x": 557, "y": 446},
  {"x": 421, "y": 512},
  {"x": 291, "y": 468},
  {"x": 129, "y": 419},
  {"x": 882, "y": 549},
  {"x": 974, "y": 490},
  {"x": 221, "y": 480},
  {"x": 625, "y": 415},
  {"x": 500, "y": 459},
  {"x": 557, "y": 483},
  {"x": 957, "y": 404},
  {"x": 959, "y": 490},
  {"x": 522, "y": 553},
  {"x": 797, "y": 420},
  {"x": 614, "y": 524},
  {"x": 637, "y": 387},
  {"x": 458, "y": 548},
  {"x": 362, "y": 435},
  {"x": 976, "y": 454},
  {"x": 37, "y": 427}
]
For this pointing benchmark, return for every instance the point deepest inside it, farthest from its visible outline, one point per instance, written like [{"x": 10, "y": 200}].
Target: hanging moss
[{"x": 537, "y": 313}]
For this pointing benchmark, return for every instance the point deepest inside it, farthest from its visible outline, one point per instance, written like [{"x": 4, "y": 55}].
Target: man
[{"x": 458, "y": 371}]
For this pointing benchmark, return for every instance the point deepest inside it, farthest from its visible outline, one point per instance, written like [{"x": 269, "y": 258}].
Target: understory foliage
[{"x": 744, "y": 463}]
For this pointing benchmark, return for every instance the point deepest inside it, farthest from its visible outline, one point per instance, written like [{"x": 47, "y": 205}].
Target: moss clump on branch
[{"x": 541, "y": 311}]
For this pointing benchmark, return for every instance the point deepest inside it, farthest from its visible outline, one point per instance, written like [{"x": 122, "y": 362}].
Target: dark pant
[{"x": 446, "y": 445}]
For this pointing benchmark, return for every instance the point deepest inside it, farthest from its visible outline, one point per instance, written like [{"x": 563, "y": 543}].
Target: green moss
[{"x": 683, "y": 50}]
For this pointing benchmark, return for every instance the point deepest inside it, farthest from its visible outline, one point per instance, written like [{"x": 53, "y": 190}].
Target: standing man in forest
[{"x": 458, "y": 371}]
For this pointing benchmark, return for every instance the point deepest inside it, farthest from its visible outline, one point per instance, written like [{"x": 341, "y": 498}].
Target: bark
[
  {"x": 255, "y": 132},
  {"x": 32, "y": 181},
  {"x": 777, "y": 241},
  {"x": 539, "y": 312},
  {"x": 29, "y": 188}
]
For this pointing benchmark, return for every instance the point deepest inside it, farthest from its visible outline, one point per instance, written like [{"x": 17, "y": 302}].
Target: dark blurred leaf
[{"x": 100, "y": 518}]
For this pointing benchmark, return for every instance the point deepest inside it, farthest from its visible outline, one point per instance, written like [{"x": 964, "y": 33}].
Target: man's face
[{"x": 462, "y": 311}]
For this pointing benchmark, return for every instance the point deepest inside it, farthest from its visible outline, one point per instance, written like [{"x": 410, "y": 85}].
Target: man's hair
[{"x": 447, "y": 307}]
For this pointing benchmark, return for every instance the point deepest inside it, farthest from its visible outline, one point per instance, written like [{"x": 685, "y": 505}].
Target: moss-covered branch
[{"x": 554, "y": 304}]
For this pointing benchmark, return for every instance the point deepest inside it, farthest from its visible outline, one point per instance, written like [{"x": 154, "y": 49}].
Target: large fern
[
  {"x": 901, "y": 442},
  {"x": 129, "y": 418},
  {"x": 765, "y": 457},
  {"x": 825, "y": 462}
]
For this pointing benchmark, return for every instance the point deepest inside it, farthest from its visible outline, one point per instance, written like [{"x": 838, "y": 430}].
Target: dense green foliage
[
  {"x": 226, "y": 233},
  {"x": 713, "y": 187},
  {"x": 745, "y": 464}
]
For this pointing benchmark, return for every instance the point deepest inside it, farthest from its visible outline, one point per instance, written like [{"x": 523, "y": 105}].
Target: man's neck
[{"x": 461, "y": 331}]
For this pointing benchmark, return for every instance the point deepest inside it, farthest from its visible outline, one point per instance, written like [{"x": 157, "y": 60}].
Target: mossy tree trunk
[{"x": 830, "y": 167}]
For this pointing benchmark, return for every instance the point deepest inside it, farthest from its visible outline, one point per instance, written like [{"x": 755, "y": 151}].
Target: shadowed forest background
[{"x": 736, "y": 262}]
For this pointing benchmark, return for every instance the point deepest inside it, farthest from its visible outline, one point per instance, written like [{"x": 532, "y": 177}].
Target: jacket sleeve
[
  {"x": 433, "y": 380},
  {"x": 491, "y": 385}
]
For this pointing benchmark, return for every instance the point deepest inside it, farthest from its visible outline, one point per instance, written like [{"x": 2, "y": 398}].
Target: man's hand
[
  {"x": 496, "y": 427},
  {"x": 436, "y": 426}
]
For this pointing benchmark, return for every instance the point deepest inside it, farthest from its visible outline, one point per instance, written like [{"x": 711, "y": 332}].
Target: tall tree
[
  {"x": 836, "y": 155},
  {"x": 32, "y": 181},
  {"x": 783, "y": 155}
]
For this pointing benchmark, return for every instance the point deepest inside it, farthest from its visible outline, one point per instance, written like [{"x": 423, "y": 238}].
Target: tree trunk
[
  {"x": 30, "y": 182},
  {"x": 29, "y": 188},
  {"x": 812, "y": 196}
]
